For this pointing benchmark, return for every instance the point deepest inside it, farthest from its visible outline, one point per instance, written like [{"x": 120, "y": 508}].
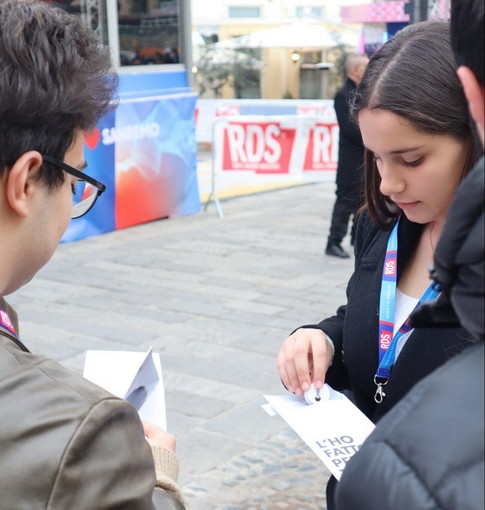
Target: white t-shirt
[{"x": 403, "y": 307}]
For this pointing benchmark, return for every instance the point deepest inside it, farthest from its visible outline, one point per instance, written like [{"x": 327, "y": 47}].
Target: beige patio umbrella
[{"x": 300, "y": 34}]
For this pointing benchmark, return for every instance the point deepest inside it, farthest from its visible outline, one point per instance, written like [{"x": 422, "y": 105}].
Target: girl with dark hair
[{"x": 419, "y": 145}]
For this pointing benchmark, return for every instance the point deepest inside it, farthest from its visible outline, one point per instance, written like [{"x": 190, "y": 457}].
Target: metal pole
[
  {"x": 423, "y": 14},
  {"x": 213, "y": 194},
  {"x": 185, "y": 22},
  {"x": 418, "y": 10},
  {"x": 113, "y": 35}
]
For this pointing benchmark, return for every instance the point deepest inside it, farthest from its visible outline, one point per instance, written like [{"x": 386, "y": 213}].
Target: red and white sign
[
  {"x": 227, "y": 110},
  {"x": 322, "y": 148},
  {"x": 322, "y": 109},
  {"x": 297, "y": 146},
  {"x": 210, "y": 110},
  {"x": 263, "y": 147}
]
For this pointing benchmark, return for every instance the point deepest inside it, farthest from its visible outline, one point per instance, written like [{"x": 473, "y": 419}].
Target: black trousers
[
  {"x": 349, "y": 200},
  {"x": 330, "y": 492}
]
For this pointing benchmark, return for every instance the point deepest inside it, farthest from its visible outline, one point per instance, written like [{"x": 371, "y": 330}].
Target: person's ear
[
  {"x": 475, "y": 96},
  {"x": 22, "y": 181}
]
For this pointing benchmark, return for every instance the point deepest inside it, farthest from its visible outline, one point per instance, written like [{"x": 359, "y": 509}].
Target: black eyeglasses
[{"x": 84, "y": 193}]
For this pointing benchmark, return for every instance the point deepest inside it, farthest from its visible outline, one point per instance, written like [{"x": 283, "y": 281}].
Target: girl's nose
[{"x": 391, "y": 182}]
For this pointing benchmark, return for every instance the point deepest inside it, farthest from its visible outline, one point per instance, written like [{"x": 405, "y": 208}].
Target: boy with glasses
[
  {"x": 85, "y": 191},
  {"x": 64, "y": 442}
]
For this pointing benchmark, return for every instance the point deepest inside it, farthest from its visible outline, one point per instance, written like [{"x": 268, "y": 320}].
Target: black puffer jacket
[{"x": 428, "y": 452}]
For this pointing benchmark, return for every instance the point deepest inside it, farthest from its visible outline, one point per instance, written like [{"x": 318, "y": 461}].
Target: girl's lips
[{"x": 406, "y": 205}]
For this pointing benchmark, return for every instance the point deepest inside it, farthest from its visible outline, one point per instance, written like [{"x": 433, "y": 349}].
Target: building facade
[
  {"x": 292, "y": 71},
  {"x": 382, "y": 19}
]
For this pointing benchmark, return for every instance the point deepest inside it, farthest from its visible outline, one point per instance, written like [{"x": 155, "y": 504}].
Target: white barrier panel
[
  {"x": 208, "y": 110},
  {"x": 281, "y": 149}
]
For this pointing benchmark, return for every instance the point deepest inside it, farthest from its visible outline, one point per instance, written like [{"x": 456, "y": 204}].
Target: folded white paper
[
  {"x": 333, "y": 428},
  {"x": 133, "y": 376}
]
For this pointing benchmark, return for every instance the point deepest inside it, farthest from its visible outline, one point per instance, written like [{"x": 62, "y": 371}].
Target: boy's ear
[
  {"x": 475, "y": 95},
  {"x": 22, "y": 181}
]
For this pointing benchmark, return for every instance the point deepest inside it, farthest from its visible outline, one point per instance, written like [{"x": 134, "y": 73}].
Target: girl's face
[{"x": 419, "y": 171}]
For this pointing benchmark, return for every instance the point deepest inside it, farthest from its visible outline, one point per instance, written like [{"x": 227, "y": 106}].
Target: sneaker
[{"x": 336, "y": 250}]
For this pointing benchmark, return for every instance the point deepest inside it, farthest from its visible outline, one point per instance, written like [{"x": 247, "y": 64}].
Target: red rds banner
[
  {"x": 321, "y": 148},
  {"x": 260, "y": 147}
]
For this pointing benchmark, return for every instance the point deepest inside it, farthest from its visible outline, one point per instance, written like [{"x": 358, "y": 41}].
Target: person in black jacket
[
  {"x": 416, "y": 154},
  {"x": 428, "y": 452},
  {"x": 350, "y": 159}
]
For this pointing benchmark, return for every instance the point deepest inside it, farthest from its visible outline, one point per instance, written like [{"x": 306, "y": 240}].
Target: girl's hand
[{"x": 304, "y": 359}]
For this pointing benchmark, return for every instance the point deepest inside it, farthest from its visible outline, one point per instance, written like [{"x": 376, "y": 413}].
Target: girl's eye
[{"x": 416, "y": 162}]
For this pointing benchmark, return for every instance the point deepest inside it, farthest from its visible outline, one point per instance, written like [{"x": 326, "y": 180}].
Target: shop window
[
  {"x": 92, "y": 14},
  {"x": 244, "y": 12},
  {"x": 149, "y": 32},
  {"x": 311, "y": 57},
  {"x": 309, "y": 12}
]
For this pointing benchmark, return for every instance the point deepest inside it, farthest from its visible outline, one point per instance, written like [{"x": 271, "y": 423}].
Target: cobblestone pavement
[
  {"x": 216, "y": 297},
  {"x": 281, "y": 474}
]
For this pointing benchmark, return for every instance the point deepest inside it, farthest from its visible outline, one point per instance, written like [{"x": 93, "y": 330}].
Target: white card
[
  {"x": 134, "y": 376},
  {"x": 334, "y": 428}
]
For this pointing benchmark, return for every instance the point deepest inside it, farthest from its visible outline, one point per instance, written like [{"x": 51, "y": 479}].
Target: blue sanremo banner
[
  {"x": 100, "y": 160},
  {"x": 146, "y": 154},
  {"x": 156, "y": 158}
]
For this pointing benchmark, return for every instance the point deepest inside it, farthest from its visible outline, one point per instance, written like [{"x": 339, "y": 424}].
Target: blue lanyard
[{"x": 387, "y": 342}]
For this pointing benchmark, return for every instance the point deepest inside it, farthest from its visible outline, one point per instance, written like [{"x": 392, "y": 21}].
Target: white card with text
[{"x": 333, "y": 428}]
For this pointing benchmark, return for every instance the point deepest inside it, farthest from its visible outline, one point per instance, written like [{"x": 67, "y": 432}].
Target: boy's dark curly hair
[{"x": 55, "y": 79}]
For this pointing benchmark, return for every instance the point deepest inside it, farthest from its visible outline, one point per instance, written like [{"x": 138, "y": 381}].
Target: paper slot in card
[
  {"x": 334, "y": 429},
  {"x": 133, "y": 376}
]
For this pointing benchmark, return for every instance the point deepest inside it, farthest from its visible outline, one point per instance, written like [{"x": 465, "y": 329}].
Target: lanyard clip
[
  {"x": 380, "y": 393},
  {"x": 379, "y": 396}
]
